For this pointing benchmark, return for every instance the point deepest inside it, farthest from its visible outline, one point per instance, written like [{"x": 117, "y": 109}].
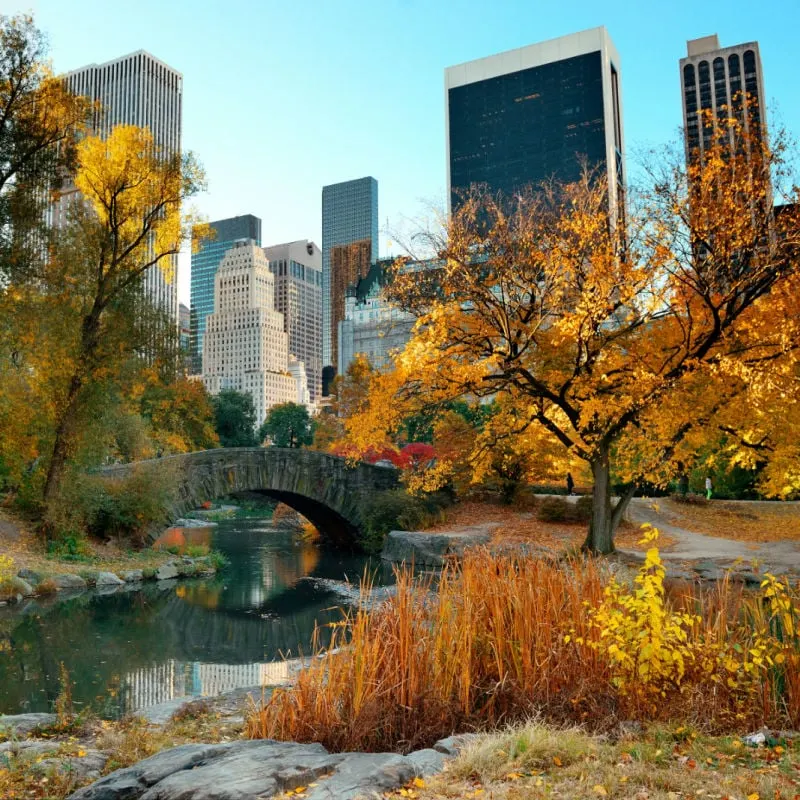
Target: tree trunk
[
  {"x": 600, "y": 537},
  {"x": 605, "y": 516},
  {"x": 58, "y": 460}
]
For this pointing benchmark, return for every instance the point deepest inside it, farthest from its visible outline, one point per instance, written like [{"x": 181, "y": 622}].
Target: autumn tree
[
  {"x": 39, "y": 119},
  {"x": 620, "y": 342},
  {"x": 130, "y": 221},
  {"x": 287, "y": 425}
]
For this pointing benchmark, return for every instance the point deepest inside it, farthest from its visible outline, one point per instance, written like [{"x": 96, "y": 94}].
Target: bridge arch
[{"x": 325, "y": 488}]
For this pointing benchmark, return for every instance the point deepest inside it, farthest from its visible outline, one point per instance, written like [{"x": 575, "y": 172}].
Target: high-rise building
[
  {"x": 297, "y": 267},
  {"x": 372, "y": 326},
  {"x": 720, "y": 81},
  {"x": 349, "y": 215},
  {"x": 136, "y": 89},
  {"x": 205, "y": 263},
  {"x": 245, "y": 346},
  {"x": 519, "y": 118}
]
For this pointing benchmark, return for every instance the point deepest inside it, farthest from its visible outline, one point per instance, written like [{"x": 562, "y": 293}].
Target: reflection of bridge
[{"x": 324, "y": 488}]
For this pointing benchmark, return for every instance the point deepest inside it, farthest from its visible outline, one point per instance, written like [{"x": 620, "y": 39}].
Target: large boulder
[
  {"x": 166, "y": 571},
  {"x": 23, "y": 724},
  {"x": 108, "y": 579},
  {"x": 69, "y": 582},
  {"x": 249, "y": 770},
  {"x": 431, "y": 549}
]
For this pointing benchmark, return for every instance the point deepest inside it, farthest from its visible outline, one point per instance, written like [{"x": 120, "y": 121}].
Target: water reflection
[{"x": 171, "y": 639}]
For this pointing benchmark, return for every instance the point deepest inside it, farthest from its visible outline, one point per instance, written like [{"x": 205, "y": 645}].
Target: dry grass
[
  {"x": 126, "y": 742},
  {"x": 506, "y": 637},
  {"x": 521, "y": 526},
  {"x": 534, "y": 761},
  {"x": 750, "y": 522},
  {"x": 29, "y": 552}
]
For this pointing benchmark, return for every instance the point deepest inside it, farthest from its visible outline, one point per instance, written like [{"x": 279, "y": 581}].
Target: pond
[{"x": 161, "y": 641}]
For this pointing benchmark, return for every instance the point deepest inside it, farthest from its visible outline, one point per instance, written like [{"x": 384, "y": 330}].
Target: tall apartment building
[
  {"x": 349, "y": 216},
  {"x": 371, "y": 326},
  {"x": 297, "y": 267},
  {"x": 539, "y": 112},
  {"x": 245, "y": 346},
  {"x": 136, "y": 89},
  {"x": 205, "y": 263},
  {"x": 720, "y": 81}
]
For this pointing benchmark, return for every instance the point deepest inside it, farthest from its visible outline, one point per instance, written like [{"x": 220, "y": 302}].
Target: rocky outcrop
[
  {"x": 23, "y": 724},
  {"x": 108, "y": 579},
  {"x": 255, "y": 770},
  {"x": 167, "y": 571},
  {"x": 433, "y": 549}
]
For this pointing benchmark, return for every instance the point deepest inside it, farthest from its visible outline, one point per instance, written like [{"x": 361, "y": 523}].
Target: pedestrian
[
  {"x": 683, "y": 485},
  {"x": 708, "y": 487},
  {"x": 570, "y": 484}
]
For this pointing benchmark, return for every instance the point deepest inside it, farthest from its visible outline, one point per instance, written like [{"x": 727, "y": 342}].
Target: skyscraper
[
  {"x": 524, "y": 116},
  {"x": 721, "y": 81},
  {"x": 136, "y": 89},
  {"x": 349, "y": 216},
  {"x": 297, "y": 267},
  {"x": 245, "y": 346},
  {"x": 205, "y": 263}
]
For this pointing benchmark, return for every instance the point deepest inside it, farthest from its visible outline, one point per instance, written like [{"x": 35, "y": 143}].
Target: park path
[{"x": 690, "y": 546}]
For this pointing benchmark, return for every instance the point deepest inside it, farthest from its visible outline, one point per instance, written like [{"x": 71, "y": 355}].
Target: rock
[
  {"x": 166, "y": 571},
  {"x": 431, "y": 549},
  {"x": 756, "y": 739},
  {"x": 21, "y": 587},
  {"x": 192, "y": 523},
  {"x": 351, "y": 595},
  {"x": 23, "y": 724},
  {"x": 69, "y": 582},
  {"x": 427, "y": 762},
  {"x": 85, "y": 767},
  {"x": 247, "y": 770},
  {"x": 108, "y": 579},
  {"x": 132, "y": 576},
  {"x": 364, "y": 774},
  {"x": 33, "y": 578},
  {"x": 25, "y": 749},
  {"x": 453, "y": 745}
]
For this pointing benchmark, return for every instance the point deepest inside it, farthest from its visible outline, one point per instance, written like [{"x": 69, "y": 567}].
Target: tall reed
[{"x": 503, "y": 637}]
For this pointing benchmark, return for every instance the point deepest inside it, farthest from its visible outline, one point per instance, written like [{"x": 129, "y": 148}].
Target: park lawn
[
  {"x": 520, "y": 525},
  {"x": 535, "y": 761},
  {"x": 743, "y": 521}
]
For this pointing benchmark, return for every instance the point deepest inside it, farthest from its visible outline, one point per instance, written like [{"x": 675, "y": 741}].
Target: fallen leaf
[{"x": 600, "y": 789}]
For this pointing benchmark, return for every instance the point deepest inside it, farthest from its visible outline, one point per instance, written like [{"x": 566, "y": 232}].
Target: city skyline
[{"x": 340, "y": 94}]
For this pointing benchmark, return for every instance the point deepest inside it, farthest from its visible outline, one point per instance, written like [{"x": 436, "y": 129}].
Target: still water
[{"x": 135, "y": 648}]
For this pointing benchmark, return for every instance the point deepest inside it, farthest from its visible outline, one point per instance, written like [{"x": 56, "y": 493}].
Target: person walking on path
[
  {"x": 570, "y": 484},
  {"x": 708, "y": 487}
]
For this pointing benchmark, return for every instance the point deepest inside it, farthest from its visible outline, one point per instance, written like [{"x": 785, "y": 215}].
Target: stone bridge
[{"x": 326, "y": 489}]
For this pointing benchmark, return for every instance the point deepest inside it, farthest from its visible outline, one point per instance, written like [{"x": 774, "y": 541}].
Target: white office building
[
  {"x": 245, "y": 346},
  {"x": 297, "y": 267},
  {"x": 136, "y": 89}
]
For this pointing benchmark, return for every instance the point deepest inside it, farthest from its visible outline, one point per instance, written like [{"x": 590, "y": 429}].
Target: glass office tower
[
  {"x": 525, "y": 116},
  {"x": 349, "y": 217},
  {"x": 205, "y": 263}
]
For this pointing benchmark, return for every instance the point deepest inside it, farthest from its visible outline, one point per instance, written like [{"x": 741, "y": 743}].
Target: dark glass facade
[{"x": 522, "y": 128}]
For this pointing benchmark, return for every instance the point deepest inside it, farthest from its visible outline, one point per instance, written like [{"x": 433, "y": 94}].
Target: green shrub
[
  {"x": 197, "y": 550},
  {"x": 148, "y": 573},
  {"x": 397, "y": 510},
  {"x": 553, "y": 509},
  {"x": 70, "y": 545},
  {"x": 217, "y": 560},
  {"x": 559, "y": 509}
]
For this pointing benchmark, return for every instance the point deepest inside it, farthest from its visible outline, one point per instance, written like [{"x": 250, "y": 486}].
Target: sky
[{"x": 282, "y": 98}]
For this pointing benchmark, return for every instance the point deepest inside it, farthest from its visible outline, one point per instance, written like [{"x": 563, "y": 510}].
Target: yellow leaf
[
  {"x": 557, "y": 761},
  {"x": 601, "y": 790},
  {"x": 754, "y": 796},
  {"x": 419, "y": 783}
]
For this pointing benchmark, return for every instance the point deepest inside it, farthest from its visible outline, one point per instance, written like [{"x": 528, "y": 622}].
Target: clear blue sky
[{"x": 281, "y": 98}]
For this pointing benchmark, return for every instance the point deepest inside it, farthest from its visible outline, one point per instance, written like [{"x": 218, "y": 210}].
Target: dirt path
[{"x": 690, "y": 546}]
